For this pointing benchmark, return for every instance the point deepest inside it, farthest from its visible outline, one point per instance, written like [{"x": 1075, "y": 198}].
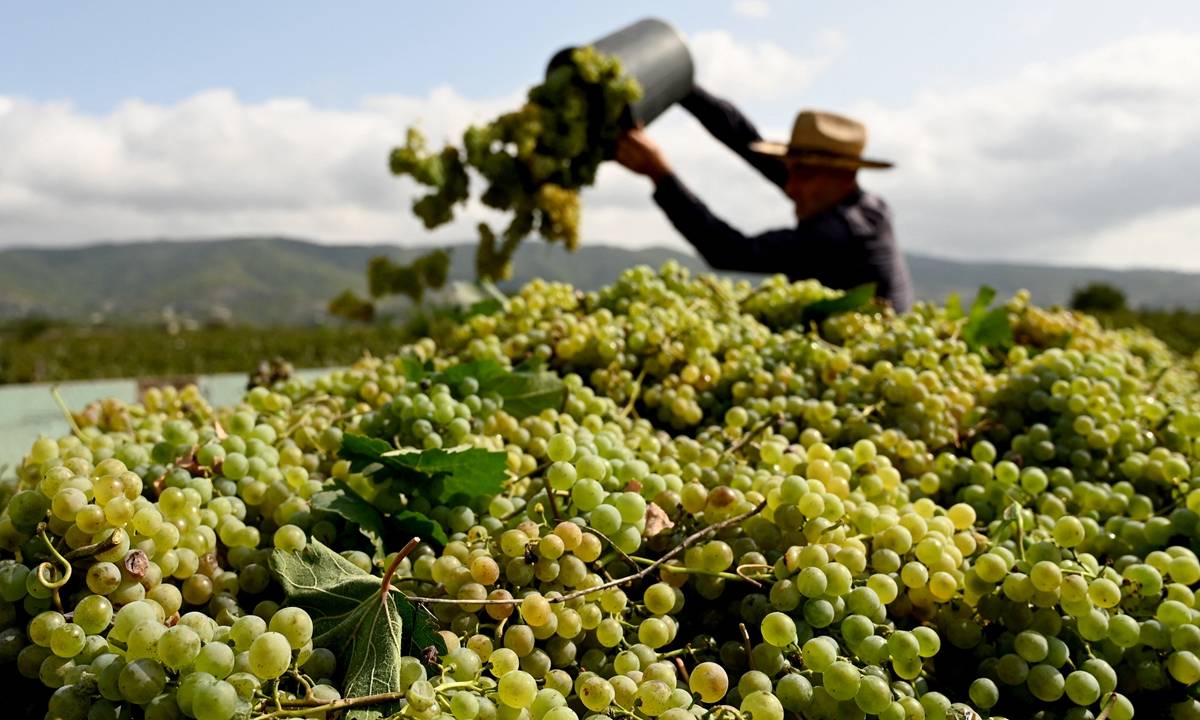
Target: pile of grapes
[
  {"x": 534, "y": 159},
  {"x": 677, "y": 497}
]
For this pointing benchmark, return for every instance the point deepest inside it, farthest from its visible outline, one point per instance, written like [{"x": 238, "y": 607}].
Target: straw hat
[{"x": 824, "y": 138}]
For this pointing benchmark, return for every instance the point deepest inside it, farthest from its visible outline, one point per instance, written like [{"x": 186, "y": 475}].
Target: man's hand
[{"x": 636, "y": 151}]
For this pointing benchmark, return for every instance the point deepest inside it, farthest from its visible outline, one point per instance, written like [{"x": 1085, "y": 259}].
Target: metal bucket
[{"x": 655, "y": 54}]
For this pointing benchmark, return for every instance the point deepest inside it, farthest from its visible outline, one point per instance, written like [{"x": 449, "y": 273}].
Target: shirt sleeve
[
  {"x": 727, "y": 124},
  {"x": 721, "y": 245}
]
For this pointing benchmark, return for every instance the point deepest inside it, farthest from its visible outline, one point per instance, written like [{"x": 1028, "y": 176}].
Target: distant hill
[{"x": 266, "y": 281}]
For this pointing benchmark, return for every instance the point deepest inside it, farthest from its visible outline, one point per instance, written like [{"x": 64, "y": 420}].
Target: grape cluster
[
  {"x": 386, "y": 277},
  {"x": 534, "y": 159},
  {"x": 141, "y": 585},
  {"x": 729, "y": 515}
]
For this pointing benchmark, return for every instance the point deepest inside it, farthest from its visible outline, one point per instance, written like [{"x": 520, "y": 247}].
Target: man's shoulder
[{"x": 868, "y": 215}]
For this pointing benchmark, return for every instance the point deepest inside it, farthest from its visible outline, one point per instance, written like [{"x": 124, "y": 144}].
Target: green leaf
[
  {"x": 414, "y": 369},
  {"x": 984, "y": 299},
  {"x": 410, "y": 523},
  {"x": 486, "y": 306},
  {"x": 381, "y": 526},
  {"x": 989, "y": 330},
  {"x": 853, "y": 299},
  {"x": 473, "y": 472},
  {"x": 348, "y": 505},
  {"x": 954, "y": 309},
  {"x": 524, "y": 392},
  {"x": 368, "y": 633},
  {"x": 482, "y": 370},
  {"x": 530, "y": 364},
  {"x": 528, "y": 393}
]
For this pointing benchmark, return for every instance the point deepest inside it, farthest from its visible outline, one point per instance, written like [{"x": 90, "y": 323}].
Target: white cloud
[
  {"x": 212, "y": 164},
  {"x": 1070, "y": 162},
  {"x": 758, "y": 71},
  {"x": 753, "y": 9},
  {"x": 1165, "y": 239}
]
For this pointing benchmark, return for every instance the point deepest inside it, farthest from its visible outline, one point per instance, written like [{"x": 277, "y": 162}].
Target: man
[{"x": 843, "y": 236}]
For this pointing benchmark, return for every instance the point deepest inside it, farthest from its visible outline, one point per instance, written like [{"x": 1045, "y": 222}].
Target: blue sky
[
  {"x": 98, "y": 54},
  {"x": 1022, "y": 130}
]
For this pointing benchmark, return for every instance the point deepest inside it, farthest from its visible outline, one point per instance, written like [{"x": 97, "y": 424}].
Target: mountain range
[{"x": 283, "y": 281}]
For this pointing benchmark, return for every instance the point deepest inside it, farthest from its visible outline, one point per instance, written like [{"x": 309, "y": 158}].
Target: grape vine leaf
[
  {"x": 437, "y": 474},
  {"x": 383, "y": 527},
  {"x": 954, "y": 309},
  {"x": 529, "y": 393},
  {"x": 486, "y": 306},
  {"x": 368, "y": 633},
  {"x": 523, "y": 390},
  {"x": 854, "y": 299},
  {"x": 348, "y": 505},
  {"x": 410, "y": 523},
  {"x": 414, "y": 369},
  {"x": 987, "y": 328},
  {"x": 484, "y": 371}
]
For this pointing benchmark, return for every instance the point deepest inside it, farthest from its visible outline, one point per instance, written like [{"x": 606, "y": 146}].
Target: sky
[{"x": 1025, "y": 131}]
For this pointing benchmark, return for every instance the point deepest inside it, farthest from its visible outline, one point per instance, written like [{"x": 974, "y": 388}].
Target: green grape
[
  {"x": 141, "y": 680},
  {"x": 516, "y": 689},
  {"x": 270, "y": 655},
  {"x": 561, "y": 448},
  {"x": 42, "y": 627},
  {"x": 245, "y": 630},
  {"x": 464, "y": 706},
  {"x": 779, "y": 629},
  {"x": 874, "y": 695},
  {"x": 294, "y": 624},
  {"x": 69, "y": 702},
  {"x": 819, "y": 653},
  {"x": 214, "y": 701},
  {"x": 178, "y": 647},
  {"x": 68, "y": 640},
  {"x": 1045, "y": 682},
  {"x": 217, "y": 659},
  {"x": 1183, "y": 665},
  {"x": 162, "y": 707},
  {"x": 984, "y": 693},
  {"x": 1031, "y": 646},
  {"x": 841, "y": 680},
  {"x": 290, "y": 537},
  {"x": 94, "y": 613}
]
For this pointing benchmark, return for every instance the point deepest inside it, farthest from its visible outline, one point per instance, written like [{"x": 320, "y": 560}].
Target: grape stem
[
  {"x": 684, "y": 545},
  {"x": 746, "y": 644},
  {"x": 683, "y": 671},
  {"x": 296, "y": 708},
  {"x": 1108, "y": 706},
  {"x": 94, "y": 549},
  {"x": 550, "y": 499},
  {"x": 698, "y": 571},
  {"x": 53, "y": 585},
  {"x": 633, "y": 396},
  {"x": 386, "y": 586},
  {"x": 1020, "y": 532},
  {"x": 62, "y": 405},
  {"x": 753, "y": 433}
]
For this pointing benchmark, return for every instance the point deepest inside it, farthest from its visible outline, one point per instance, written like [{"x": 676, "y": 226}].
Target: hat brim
[{"x": 816, "y": 159}]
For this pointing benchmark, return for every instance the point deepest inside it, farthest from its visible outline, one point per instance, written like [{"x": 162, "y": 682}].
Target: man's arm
[
  {"x": 721, "y": 245},
  {"x": 727, "y": 124}
]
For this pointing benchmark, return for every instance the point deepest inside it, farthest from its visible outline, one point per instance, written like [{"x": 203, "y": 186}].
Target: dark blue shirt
[{"x": 843, "y": 247}]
